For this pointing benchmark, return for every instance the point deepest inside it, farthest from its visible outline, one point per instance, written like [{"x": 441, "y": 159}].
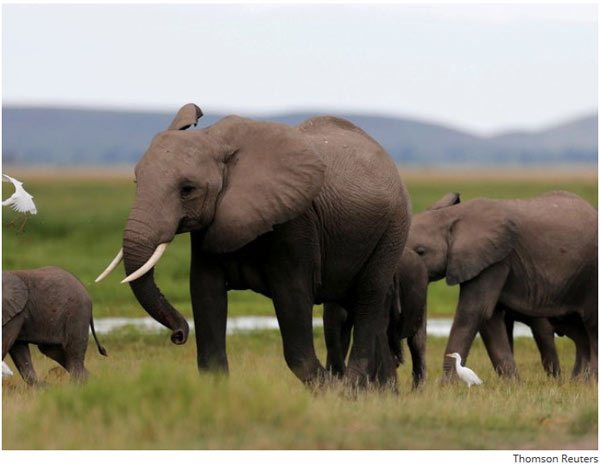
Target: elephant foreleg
[
  {"x": 477, "y": 301},
  {"x": 209, "y": 304},
  {"x": 509, "y": 324},
  {"x": 290, "y": 276},
  {"x": 10, "y": 333},
  {"x": 22, "y": 358},
  {"x": 293, "y": 302},
  {"x": 416, "y": 344}
]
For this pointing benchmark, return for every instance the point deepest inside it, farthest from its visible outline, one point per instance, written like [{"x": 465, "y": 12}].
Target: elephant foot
[
  {"x": 510, "y": 374},
  {"x": 448, "y": 378},
  {"x": 336, "y": 371},
  {"x": 356, "y": 378},
  {"x": 217, "y": 365},
  {"x": 591, "y": 375},
  {"x": 418, "y": 383},
  {"x": 319, "y": 381},
  {"x": 40, "y": 385}
]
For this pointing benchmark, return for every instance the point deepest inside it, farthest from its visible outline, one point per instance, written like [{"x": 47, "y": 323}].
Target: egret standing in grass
[
  {"x": 20, "y": 200},
  {"x": 464, "y": 373}
]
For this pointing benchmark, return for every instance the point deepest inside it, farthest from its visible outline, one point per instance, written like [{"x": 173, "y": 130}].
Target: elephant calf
[
  {"x": 537, "y": 257},
  {"x": 48, "y": 307},
  {"x": 406, "y": 305}
]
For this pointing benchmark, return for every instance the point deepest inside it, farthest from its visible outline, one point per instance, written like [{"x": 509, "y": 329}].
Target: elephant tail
[{"x": 101, "y": 349}]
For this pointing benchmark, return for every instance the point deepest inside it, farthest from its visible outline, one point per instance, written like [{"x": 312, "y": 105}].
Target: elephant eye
[
  {"x": 186, "y": 190},
  {"x": 420, "y": 250}
]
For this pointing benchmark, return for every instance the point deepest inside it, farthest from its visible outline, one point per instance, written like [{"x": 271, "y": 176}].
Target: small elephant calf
[
  {"x": 50, "y": 308},
  {"x": 406, "y": 304}
]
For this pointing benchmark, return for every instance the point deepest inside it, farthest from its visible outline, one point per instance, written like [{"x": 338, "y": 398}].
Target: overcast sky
[{"x": 482, "y": 68}]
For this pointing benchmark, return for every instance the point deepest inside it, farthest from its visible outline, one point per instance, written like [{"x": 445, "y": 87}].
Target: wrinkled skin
[
  {"x": 407, "y": 319},
  {"x": 536, "y": 257},
  {"x": 50, "y": 308},
  {"x": 543, "y": 330},
  {"x": 305, "y": 214}
]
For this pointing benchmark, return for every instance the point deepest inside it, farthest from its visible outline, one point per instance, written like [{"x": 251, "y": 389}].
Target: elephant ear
[
  {"x": 273, "y": 175},
  {"x": 447, "y": 200},
  {"x": 187, "y": 116},
  {"x": 478, "y": 239},
  {"x": 14, "y": 296}
]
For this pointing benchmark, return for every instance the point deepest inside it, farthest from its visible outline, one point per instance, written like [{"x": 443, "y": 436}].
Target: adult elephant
[
  {"x": 536, "y": 256},
  {"x": 305, "y": 214}
]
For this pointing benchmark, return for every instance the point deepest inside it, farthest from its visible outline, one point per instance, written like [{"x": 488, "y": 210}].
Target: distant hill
[{"x": 72, "y": 137}]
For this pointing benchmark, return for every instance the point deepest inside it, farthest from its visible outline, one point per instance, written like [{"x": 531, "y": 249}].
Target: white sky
[{"x": 484, "y": 68}]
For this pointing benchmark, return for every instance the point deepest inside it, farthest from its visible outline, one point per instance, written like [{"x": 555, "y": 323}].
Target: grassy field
[{"x": 147, "y": 393}]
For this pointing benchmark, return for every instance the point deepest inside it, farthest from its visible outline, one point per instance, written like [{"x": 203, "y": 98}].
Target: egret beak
[
  {"x": 111, "y": 266},
  {"x": 146, "y": 267}
]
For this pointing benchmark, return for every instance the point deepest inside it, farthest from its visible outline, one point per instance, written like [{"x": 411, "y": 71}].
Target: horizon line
[{"x": 572, "y": 117}]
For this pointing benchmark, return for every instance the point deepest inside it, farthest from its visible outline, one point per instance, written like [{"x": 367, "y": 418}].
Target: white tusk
[
  {"x": 146, "y": 267},
  {"x": 111, "y": 266}
]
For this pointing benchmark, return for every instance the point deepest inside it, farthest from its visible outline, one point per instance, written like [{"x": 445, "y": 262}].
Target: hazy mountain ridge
[{"x": 60, "y": 136}]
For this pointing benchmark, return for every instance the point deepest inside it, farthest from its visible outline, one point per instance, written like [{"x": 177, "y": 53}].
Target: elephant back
[{"x": 14, "y": 296}]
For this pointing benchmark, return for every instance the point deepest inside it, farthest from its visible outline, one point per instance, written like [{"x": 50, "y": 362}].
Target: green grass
[
  {"x": 148, "y": 395},
  {"x": 81, "y": 220}
]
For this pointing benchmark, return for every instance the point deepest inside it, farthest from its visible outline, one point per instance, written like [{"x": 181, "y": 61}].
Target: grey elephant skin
[
  {"x": 536, "y": 257},
  {"x": 50, "y": 308},
  {"x": 544, "y": 330},
  {"x": 302, "y": 214},
  {"x": 407, "y": 319}
]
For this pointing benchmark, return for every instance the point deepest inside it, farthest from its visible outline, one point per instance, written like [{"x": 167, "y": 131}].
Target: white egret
[
  {"x": 464, "y": 373},
  {"x": 20, "y": 200},
  {"x": 6, "y": 371}
]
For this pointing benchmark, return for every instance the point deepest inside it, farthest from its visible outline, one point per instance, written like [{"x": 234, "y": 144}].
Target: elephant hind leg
[
  {"x": 592, "y": 365},
  {"x": 337, "y": 327},
  {"x": 73, "y": 363},
  {"x": 55, "y": 352},
  {"x": 590, "y": 321},
  {"x": 496, "y": 339},
  {"x": 371, "y": 358},
  {"x": 22, "y": 358},
  {"x": 543, "y": 334},
  {"x": 582, "y": 349}
]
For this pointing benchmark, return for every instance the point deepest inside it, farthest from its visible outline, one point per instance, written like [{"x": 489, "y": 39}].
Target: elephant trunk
[{"x": 138, "y": 247}]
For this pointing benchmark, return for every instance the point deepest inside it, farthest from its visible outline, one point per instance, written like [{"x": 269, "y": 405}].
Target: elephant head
[
  {"x": 231, "y": 182},
  {"x": 459, "y": 240}
]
